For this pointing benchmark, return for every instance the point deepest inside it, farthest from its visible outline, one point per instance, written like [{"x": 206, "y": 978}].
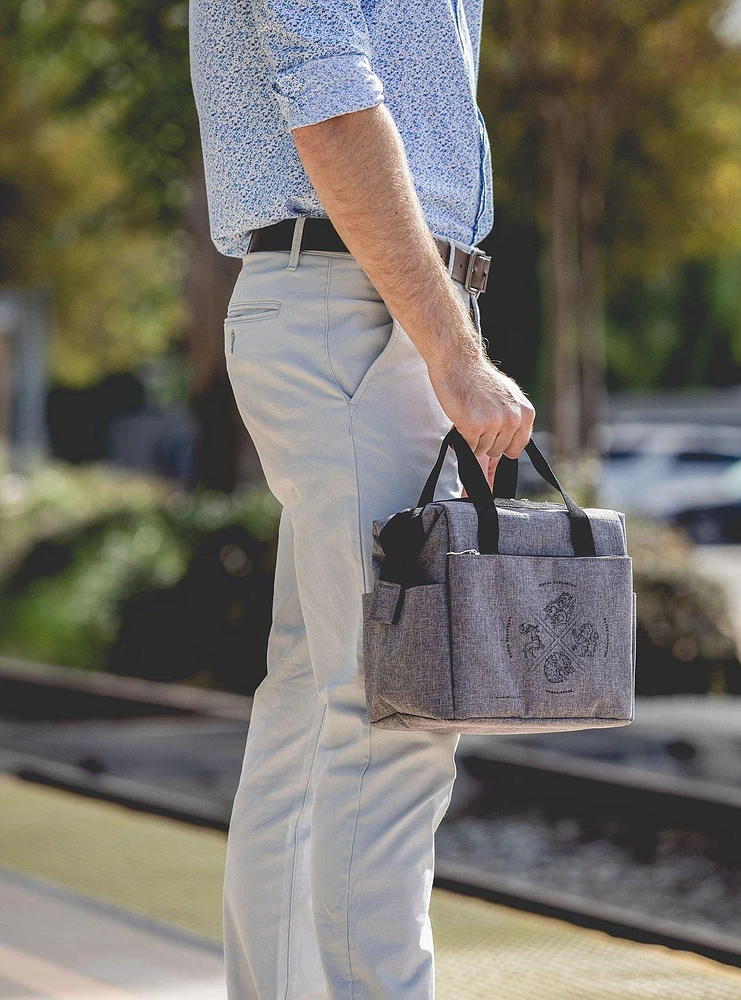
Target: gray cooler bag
[{"x": 499, "y": 615}]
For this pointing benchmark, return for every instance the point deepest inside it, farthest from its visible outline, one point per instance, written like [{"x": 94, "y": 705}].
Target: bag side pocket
[
  {"x": 407, "y": 664},
  {"x": 634, "y": 651}
]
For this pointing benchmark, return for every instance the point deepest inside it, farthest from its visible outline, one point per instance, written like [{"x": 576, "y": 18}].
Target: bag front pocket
[{"x": 542, "y": 637}]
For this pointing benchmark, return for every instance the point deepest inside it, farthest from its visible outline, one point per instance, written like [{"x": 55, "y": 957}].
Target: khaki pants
[{"x": 330, "y": 853}]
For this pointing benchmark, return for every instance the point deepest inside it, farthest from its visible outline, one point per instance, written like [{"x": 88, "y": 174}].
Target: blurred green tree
[
  {"x": 616, "y": 127},
  {"x": 66, "y": 217},
  {"x": 112, "y": 87}
]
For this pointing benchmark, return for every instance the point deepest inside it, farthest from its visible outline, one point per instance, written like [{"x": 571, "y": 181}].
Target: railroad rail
[
  {"x": 535, "y": 774},
  {"x": 595, "y": 786}
]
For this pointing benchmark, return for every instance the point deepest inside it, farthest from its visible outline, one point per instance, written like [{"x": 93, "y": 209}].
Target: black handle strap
[
  {"x": 581, "y": 530},
  {"x": 477, "y": 487},
  {"x": 505, "y": 478},
  {"x": 471, "y": 473},
  {"x": 403, "y": 537}
]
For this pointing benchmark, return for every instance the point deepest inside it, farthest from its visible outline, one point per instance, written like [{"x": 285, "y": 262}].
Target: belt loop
[
  {"x": 476, "y": 317},
  {"x": 451, "y": 258},
  {"x": 473, "y": 302},
  {"x": 298, "y": 232}
]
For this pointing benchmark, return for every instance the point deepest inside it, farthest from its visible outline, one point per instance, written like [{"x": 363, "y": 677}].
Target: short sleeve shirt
[{"x": 261, "y": 68}]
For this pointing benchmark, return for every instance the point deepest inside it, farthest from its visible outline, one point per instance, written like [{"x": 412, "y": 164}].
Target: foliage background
[
  {"x": 615, "y": 129},
  {"x": 99, "y": 163}
]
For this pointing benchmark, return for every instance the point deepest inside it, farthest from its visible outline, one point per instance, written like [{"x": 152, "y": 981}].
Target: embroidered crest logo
[
  {"x": 560, "y": 609},
  {"x": 558, "y": 636},
  {"x": 557, "y": 666}
]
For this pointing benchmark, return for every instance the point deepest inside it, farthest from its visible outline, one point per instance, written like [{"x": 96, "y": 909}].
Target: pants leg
[
  {"x": 339, "y": 404},
  {"x": 270, "y": 946}
]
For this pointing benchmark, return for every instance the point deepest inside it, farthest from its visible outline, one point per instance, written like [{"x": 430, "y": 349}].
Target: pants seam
[
  {"x": 295, "y": 854},
  {"x": 368, "y": 758},
  {"x": 349, "y": 868},
  {"x": 357, "y": 494}
]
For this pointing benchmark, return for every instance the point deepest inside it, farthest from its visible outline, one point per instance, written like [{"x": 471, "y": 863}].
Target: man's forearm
[
  {"x": 358, "y": 167},
  {"x": 359, "y": 170}
]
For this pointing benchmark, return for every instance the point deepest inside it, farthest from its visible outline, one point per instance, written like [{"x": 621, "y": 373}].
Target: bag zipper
[{"x": 508, "y": 501}]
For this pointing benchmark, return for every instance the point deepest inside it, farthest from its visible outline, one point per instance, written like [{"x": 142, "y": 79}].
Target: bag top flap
[
  {"x": 525, "y": 529},
  {"x": 535, "y": 529}
]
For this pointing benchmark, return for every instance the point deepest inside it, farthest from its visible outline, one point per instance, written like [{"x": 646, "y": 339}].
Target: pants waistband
[{"x": 469, "y": 267}]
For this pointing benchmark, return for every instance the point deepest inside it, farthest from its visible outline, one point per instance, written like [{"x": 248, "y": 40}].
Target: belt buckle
[{"x": 472, "y": 258}]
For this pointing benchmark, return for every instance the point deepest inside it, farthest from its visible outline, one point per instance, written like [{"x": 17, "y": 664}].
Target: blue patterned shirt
[{"x": 263, "y": 67}]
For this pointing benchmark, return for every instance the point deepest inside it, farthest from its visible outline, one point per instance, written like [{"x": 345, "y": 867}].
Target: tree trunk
[
  {"x": 562, "y": 248},
  {"x": 591, "y": 288},
  {"x": 5, "y": 401},
  {"x": 592, "y": 346}
]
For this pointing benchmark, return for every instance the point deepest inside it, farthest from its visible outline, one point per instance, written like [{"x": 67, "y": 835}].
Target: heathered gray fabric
[{"x": 532, "y": 639}]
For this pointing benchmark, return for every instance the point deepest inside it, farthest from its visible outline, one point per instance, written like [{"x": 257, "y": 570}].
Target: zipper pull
[{"x": 232, "y": 340}]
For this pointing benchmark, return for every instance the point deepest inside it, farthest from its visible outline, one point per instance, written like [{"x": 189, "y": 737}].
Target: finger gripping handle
[{"x": 473, "y": 478}]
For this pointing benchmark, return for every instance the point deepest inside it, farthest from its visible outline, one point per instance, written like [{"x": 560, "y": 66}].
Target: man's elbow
[
  {"x": 332, "y": 132},
  {"x": 310, "y": 137}
]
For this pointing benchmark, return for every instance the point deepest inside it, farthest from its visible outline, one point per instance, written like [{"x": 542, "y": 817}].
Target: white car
[{"x": 662, "y": 470}]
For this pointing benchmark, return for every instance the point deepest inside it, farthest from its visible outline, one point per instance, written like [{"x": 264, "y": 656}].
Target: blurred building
[{"x": 24, "y": 323}]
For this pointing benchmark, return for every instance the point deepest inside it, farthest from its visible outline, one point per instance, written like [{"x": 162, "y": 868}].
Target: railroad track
[
  {"x": 595, "y": 786},
  {"x": 458, "y": 878},
  {"x": 533, "y": 773}
]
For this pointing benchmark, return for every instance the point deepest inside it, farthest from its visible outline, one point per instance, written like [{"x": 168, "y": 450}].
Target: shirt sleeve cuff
[{"x": 324, "y": 88}]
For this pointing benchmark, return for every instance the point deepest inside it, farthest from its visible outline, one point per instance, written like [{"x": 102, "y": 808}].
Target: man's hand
[
  {"x": 359, "y": 170},
  {"x": 488, "y": 407}
]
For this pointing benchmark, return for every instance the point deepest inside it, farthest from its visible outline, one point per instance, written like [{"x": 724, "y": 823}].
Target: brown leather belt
[{"x": 470, "y": 269}]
